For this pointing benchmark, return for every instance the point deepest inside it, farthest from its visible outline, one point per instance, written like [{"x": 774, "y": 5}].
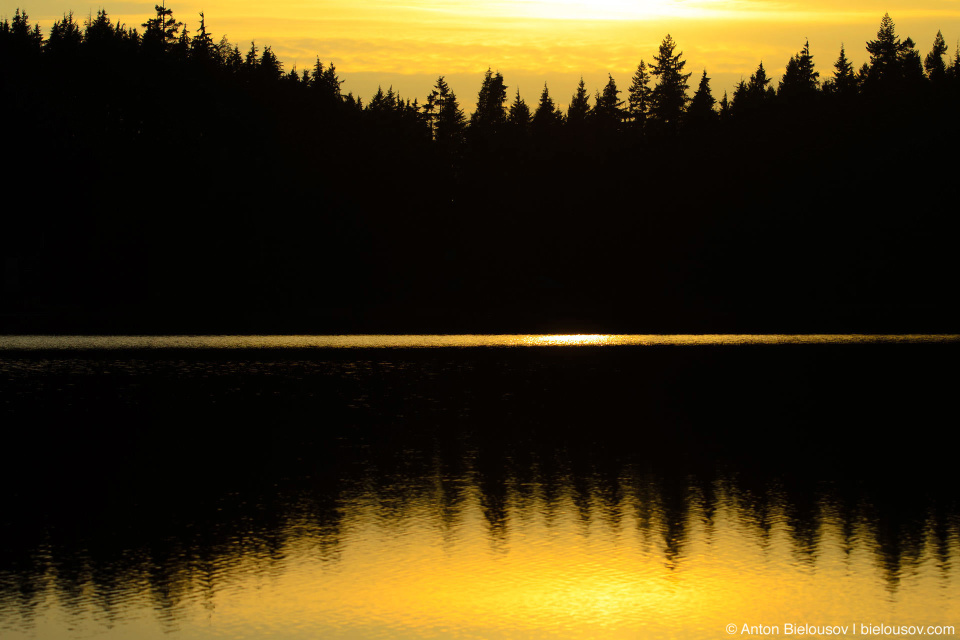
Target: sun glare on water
[{"x": 576, "y": 339}]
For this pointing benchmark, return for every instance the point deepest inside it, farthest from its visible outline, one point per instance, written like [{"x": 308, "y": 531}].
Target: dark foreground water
[{"x": 479, "y": 487}]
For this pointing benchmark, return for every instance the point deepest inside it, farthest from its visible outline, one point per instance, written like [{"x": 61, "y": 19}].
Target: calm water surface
[{"x": 408, "y": 487}]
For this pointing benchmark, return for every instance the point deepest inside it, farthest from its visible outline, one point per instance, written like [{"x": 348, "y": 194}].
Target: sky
[{"x": 407, "y": 44}]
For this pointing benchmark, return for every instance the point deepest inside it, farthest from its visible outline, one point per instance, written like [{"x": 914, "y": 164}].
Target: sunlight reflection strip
[{"x": 33, "y": 342}]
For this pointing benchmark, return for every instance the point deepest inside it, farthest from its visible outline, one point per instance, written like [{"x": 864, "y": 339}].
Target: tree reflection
[{"x": 536, "y": 460}]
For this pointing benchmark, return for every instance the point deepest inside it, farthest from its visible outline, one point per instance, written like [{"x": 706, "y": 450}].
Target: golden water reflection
[
  {"x": 393, "y": 341},
  {"x": 551, "y": 569}
]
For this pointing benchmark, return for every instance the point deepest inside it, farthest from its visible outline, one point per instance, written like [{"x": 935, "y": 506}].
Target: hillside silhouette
[{"x": 166, "y": 180}]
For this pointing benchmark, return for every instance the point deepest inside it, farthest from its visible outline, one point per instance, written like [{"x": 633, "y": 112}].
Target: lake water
[{"x": 479, "y": 486}]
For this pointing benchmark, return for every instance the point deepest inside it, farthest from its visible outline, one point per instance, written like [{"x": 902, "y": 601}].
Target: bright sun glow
[
  {"x": 594, "y": 9},
  {"x": 577, "y": 9}
]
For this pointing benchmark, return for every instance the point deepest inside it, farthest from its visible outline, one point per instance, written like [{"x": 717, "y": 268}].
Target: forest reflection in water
[{"x": 604, "y": 494}]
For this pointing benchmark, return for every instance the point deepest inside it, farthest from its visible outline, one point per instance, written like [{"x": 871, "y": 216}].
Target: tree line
[
  {"x": 165, "y": 175},
  {"x": 656, "y": 102}
]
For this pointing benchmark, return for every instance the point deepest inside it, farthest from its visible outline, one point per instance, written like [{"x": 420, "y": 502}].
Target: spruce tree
[
  {"x": 953, "y": 71},
  {"x": 885, "y": 50},
  {"x": 160, "y": 32},
  {"x": 65, "y": 38},
  {"x": 669, "y": 97},
  {"x": 758, "y": 91},
  {"x": 892, "y": 62},
  {"x": 270, "y": 68},
  {"x": 701, "y": 113},
  {"x": 325, "y": 82},
  {"x": 548, "y": 117},
  {"x": 799, "y": 79},
  {"x": 844, "y": 82},
  {"x": 99, "y": 33},
  {"x": 608, "y": 111},
  {"x": 491, "y": 111},
  {"x": 201, "y": 47},
  {"x": 444, "y": 115},
  {"x": 639, "y": 96},
  {"x": 933, "y": 63},
  {"x": 751, "y": 96},
  {"x": 252, "y": 58},
  {"x": 519, "y": 116},
  {"x": 724, "y": 108},
  {"x": 26, "y": 42},
  {"x": 579, "y": 106}
]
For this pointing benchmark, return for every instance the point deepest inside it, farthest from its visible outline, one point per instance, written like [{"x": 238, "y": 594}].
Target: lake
[{"x": 479, "y": 486}]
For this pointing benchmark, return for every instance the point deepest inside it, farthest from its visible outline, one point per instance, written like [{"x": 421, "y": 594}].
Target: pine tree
[
  {"x": 491, "y": 111},
  {"x": 102, "y": 40},
  {"x": 65, "y": 38},
  {"x": 757, "y": 90},
  {"x": 669, "y": 97},
  {"x": 161, "y": 32},
  {"x": 799, "y": 79},
  {"x": 891, "y": 61},
  {"x": 548, "y": 117},
  {"x": 953, "y": 71},
  {"x": 911, "y": 65},
  {"x": 448, "y": 123},
  {"x": 270, "y": 68},
  {"x": 639, "y": 96},
  {"x": 885, "y": 50},
  {"x": 233, "y": 60},
  {"x": 325, "y": 82},
  {"x": 518, "y": 119},
  {"x": 752, "y": 96},
  {"x": 26, "y": 42},
  {"x": 844, "y": 82},
  {"x": 202, "y": 47},
  {"x": 181, "y": 48},
  {"x": 252, "y": 58},
  {"x": 740, "y": 102},
  {"x": 608, "y": 111},
  {"x": 579, "y": 106},
  {"x": 701, "y": 113},
  {"x": 933, "y": 63},
  {"x": 724, "y": 108},
  {"x": 378, "y": 103},
  {"x": 316, "y": 81}
]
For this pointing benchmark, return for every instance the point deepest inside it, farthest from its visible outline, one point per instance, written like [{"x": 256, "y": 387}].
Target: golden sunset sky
[{"x": 408, "y": 43}]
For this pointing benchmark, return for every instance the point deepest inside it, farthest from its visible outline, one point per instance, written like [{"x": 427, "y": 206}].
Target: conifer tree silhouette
[
  {"x": 547, "y": 118},
  {"x": 160, "y": 32},
  {"x": 639, "y": 96},
  {"x": 844, "y": 82},
  {"x": 799, "y": 79},
  {"x": 933, "y": 63},
  {"x": 894, "y": 64},
  {"x": 491, "y": 111},
  {"x": 669, "y": 98},
  {"x": 65, "y": 38},
  {"x": 202, "y": 47},
  {"x": 579, "y": 106},
  {"x": 445, "y": 115},
  {"x": 701, "y": 112},
  {"x": 519, "y": 115},
  {"x": 608, "y": 113}
]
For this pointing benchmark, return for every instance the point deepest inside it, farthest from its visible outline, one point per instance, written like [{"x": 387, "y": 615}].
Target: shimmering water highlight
[{"x": 35, "y": 342}]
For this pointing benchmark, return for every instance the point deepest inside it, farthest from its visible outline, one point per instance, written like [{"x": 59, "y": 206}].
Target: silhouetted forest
[{"x": 164, "y": 180}]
